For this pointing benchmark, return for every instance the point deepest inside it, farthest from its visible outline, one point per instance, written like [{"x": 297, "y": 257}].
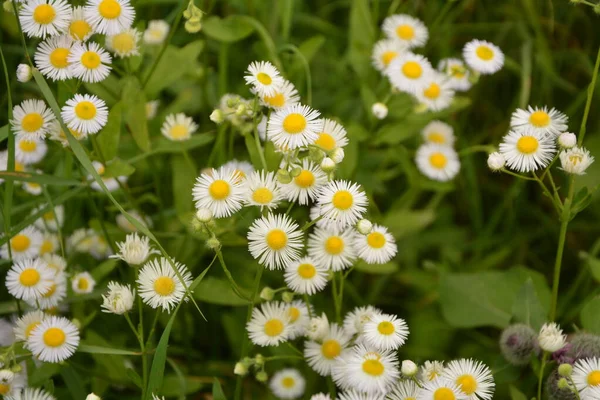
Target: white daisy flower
[
  {"x": 53, "y": 296},
  {"x": 354, "y": 321},
  {"x": 305, "y": 187},
  {"x": 8, "y": 385},
  {"x": 85, "y": 113},
  {"x": 118, "y": 299},
  {"x": 151, "y": 109},
  {"x": 50, "y": 220},
  {"x": 31, "y": 119},
  {"x": 30, "y": 150},
  {"x": 220, "y": 191},
  {"x": 376, "y": 247},
  {"x": 332, "y": 248},
  {"x": 32, "y": 394},
  {"x": 586, "y": 375},
  {"x": 305, "y": 277},
  {"x": 525, "y": 152},
  {"x": 331, "y": 136},
  {"x": 409, "y": 31},
  {"x": 293, "y": 127},
  {"x": 80, "y": 240},
  {"x": 160, "y": 286},
  {"x": 125, "y": 43},
  {"x": 25, "y": 244},
  {"x": 24, "y": 73},
  {"x": 298, "y": 318},
  {"x": 261, "y": 189},
  {"x": 431, "y": 370},
  {"x": 409, "y": 72},
  {"x": 52, "y": 57},
  {"x": 320, "y": 396},
  {"x": 483, "y": 57},
  {"x": 275, "y": 240},
  {"x": 385, "y": 332},
  {"x": 44, "y": 17},
  {"x": 178, "y": 127},
  {"x": 343, "y": 202},
  {"x": 27, "y": 323},
  {"x": 458, "y": 74},
  {"x": 285, "y": 96},
  {"x": 437, "y": 162},
  {"x": 436, "y": 93},
  {"x": 591, "y": 393},
  {"x": 323, "y": 356},
  {"x": 551, "y": 337},
  {"x": 440, "y": 388},
  {"x": 269, "y": 324},
  {"x": 242, "y": 168},
  {"x": 79, "y": 27},
  {"x": 83, "y": 283},
  {"x": 384, "y": 52},
  {"x": 127, "y": 226},
  {"x": 58, "y": 135},
  {"x": 54, "y": 340},
  {"x": 356, "y": 395},
  {"x": 404, "y": 390},
  {"x": 50, "y": 244},
  {"x": 287, "y": 384},
  {"x": 157, "y": 32},
  {"x": 135, "y": 250},
  {"x": 109, "y": 16},
  {"x": 264, "y": 78},
  {"x": 89, "y": 62},
  {"x": 438, "y": 132},
  {"x": 56, "y": 263},
  {"x": 33, "y": 188},
  {"x": 575, "y": 160},
  {"x": 473, "y": 378},
  {"x": 366, "y": 370},
  {"x": 539, "y": 121}
]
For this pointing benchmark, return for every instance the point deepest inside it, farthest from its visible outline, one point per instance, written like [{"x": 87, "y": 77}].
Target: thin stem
[
  {"x": 334, "y": 289},
  {"x": 156, "y": 315},
  {"x": 311, "y": 223},
  {"x": 306, "y": 300},
  {"x": 541, "y": 377},
  {"x": 483, "y": 148},
  {"x": 291, "y": 346},
  {"x": 234, "y": 285},
  {"x": 588, "y": 103},
  {"x": 557, "y": 206},
  {"x": 261, "y": 152},
  {"x": 527, "y": 178},
  {"x": 143, "y": 355}
]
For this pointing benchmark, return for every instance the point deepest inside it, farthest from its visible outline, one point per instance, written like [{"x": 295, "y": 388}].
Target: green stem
[
  {"x": 506, "y": 171},
  {"x": 234, "y": 285},
  {"x": 557, "y": 205},
  {"x": 306, "y": 300},
  {"x": 483, "y": 148},
  {"x": 541, "y": 377},
  {"x": 588, "y": 103},
  {"x": 143, "y": 351}
]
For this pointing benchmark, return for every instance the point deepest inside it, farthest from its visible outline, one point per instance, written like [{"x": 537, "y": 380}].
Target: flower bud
[
  {"x": 287, "y": 297},
  {"x": 379, "y": 110},
  {"x": 518, "y": 343},
  {"x": 262, "y": 376},
  {"x": 327, "y": 165},
  {"x": 551, "y": 337},
  {"x": 217, "y": 116},
  {"x": 204, "y": 215},
  {"x": 567, "y": 140},
  {"x": 496, "y": 161},
  {"x": 409, "y": 368},
  {"x": 267, "y": 293},
  {"x": 240, "y": 369},
  {"x": 364, "y": 226},
  {"x": 24, "y": 73},
  {"x": 241, "y": 109},
  {"x": 283, "y": 176},
  {"x": 558, "y": 388},
  {"x": 584, "y": 345},
  {"x": 565, "y": 370},
  {"x": 92, "y": 396},
  {"x": 562, "y": 384},
  {"x": 213, "y": 243},
  {"x": 337, "y": 155},
  {"x": 295, "y": 172},
  {"x": 8, "y": 7},
  {"x": 259, "y": 359},
  {"x": 193, "y": 26}
]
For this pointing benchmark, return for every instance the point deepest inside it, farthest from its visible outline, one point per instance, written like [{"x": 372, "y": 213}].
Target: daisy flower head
[
  {"x": 178, "y": 127},
  {"x": 89, "y": 62},
  {"x": 264, "y": 78},
  {"x": 404, "y": 390},
  {"x": 56, "y": 263},
  {"x": 125, "y": 43},
  {"x": 551, "y": 337},
  {"x": 366, "y": 370},
  {"x": 376, "y": 247},
  {"x": 575, "y": 160},
  {"x": 318, "y": 327},
  {"x": 269, "y": 324},
  {"x": 357, "y": 395},
  {"x": 49, "y": 244},
  {"x": 437, "y": 162},
  {"x": 262, "y": 190},
  {"x": 118, "y": 299},
  {"x": 342, "y": 202},
  {"x": 275, "y": 240},
  {"x": 109, "y": 16},
  {"x": 50, "y": 220},
  {"x": 385, "y": 332},
  {"x": 320, "y": 396},
  {"x": 331, "y": 136},
  {"x": 30, "y": 150},
  {"x": 31, "y": 119},
  {"x": 284, "y": 96},
  {"x": 354, "y": 321},
  {"x": 525, "y": 151},
  {"x": 32, "y": 394},
  {"x": 430, "y": 370},
  {"x": 7, "y": 378},
  {"x": 54, "y": 340},
  {"x": 160, "y": 286},
  {"x": 384, "y": 52},
  {"x": 83, "y": 283},
  {"x": 241, "y": 168},
  {"x": 440, "y": 388},
  {"x": 592, "y": 393},
  {"x": 40, "y": 18},
  {"x": 306, "y": 185},
  {"x": 436, "y": 93},
  {"x": 540, "y": 121},
  {"x": 54, "y": 295},
  {"x": 33, "y": 188},
  {"x": 52, "y": 57},
  {"x": 409, "y": 31},
  {"x": 304, "y": 276},
  {"x": 409, "y": 72},
  {"x": 293, "y": 127},
  {"x": 124, "y": 224},
  {"x": 438, "y": 132},
  {"x": 483, "y": 57},
  {"x": 586, "y": 375},
  {"x": 27, "y": 323},
  {"x": 298, "y": 318},
  {"x": 287, "y": 384},
  {"x": 25, "y": 244},
  {"x": 151, "y": 109},
  {"x": 332, "y": 248},
  {"x": 220, "y": 191},
  {"x": 57, "y": 134},
  {"x": 473, "y": 378},
  {"x": 458, "y": 74},
  {"x": 79, "y": 27},
  {"x": 157, "y": 32},
  {"x": 85, "y": 113},
  {"x": 135, "y": 250},
  {"x": 322, "y": 355}
]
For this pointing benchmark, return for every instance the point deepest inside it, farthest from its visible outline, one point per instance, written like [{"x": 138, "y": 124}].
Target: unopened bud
[
  {"x": 217, "y": 116},
  {"x": 92, "y": 396},
  {"x": 24, "y": 73},
  {"x": 204, "y": 215},
  {"x": 563, "y": 384},
  {"x": 8, "y": 7},
  {"x": 240, "y": 369},
  {"x": 327, "y": 165},
  {"x": 262, "y": 376},
  {"x": 364, "y": 226},
  {"x": 288, "y": 297},
  {"x": 267, "y": 293},
  {"x": 379, "y": 110},
  {"x": 241, "y": 109},
  {"x": 315, "y": 154},
  {"x": 193, "y": 26},
  {"x": 338, "y": 155},
  {"x": 259, "y": 359},
  {"x": 409, "y": 368},
  {"x": 213, "y": 243},
  {"x": 567, "y": 140},
  {"x": 565, "y": 370},
  {"x": 496, "y": 161},
  {"x": 295, "y": 172},
  {"x": 283, "y": 176}
]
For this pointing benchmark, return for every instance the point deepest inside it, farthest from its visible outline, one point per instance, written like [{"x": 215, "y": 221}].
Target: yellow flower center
[
  {"x": 32, "y": 122},
  {"x": 467, "y": 384},
  {"x": 405, "y": 32},
  {"x": 288, "y": 382},
  {"x": 90, "y": 59},
  {"x": 20, "y": 243},
  {"x": 179, "y": 131},
  {"x": 294, "y": 123},
  {"x": 46, "y": 247},
  {"x": 388, "y": 56},
  {"x": 331, "y": 349},
  {"x": 435, "y": 137},
  {"x": 83, "y": 284},
  {"x": 219, "y": 189},
  {"x": 276, "y": 239},
  {"x": 262, "y": 196},
  {"x": 30, "y": 328},
  {"x": 124, "y": 42},
  {"x": 85, "y": 110},
  {"x": 293, "y": 313},
  {"x": 539, "y": 119},
  {"x": 334, "y": 245},
  {"x": 485, "y": 53},
  {"x": 54, "y": 337},
  {"x": 527, "y": 144},
  {"x": 27, "y": 146},
  {"x": 4, "y": 389},
  {"x": 50, "y": 291},
  {"x": 457, "y": 71},
  {"x": 593, "y": 378},
  {"x": 58, "y": 57},
  {"x": 412, "y": 70},
  {"x": 433, "y": 91},
  {"x": 376, "y": 240},
  {"x": 79, "y": 29},
  {"x": 273, "y": 327},
  {"x": 307, "y": 271},
  {"x": 109, "y": 9},
  {"x": 325, "y": 141},
  {"x": 438, "y": 160},
  {"x": 575, "y": 158},
  {"x": 373, "y": 367},
  {"x": 275, "y": 101},
  {"x": 48, "y": 216},
  {"x": 263, "y": 78},
  {"x": 44, "y": 14},
  {"x": 342, "y": 200},
  {"x": 444, "y": 394},
  {"x": 305, "y": 179},
  {"x": 386, "y": 328},
  {"x": 164, "y": 285}
]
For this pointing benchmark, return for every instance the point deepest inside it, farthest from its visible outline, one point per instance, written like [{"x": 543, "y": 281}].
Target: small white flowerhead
[
  {"x": 379, "y": 110},
  {"x": 54, "y": 340},
  {"x": 118, "y": 299},
  {"x": 575, "y": 160},
  {"x": 327, "y": 164},
  {"x": 240, "y": 369},
  {"x": 551, "y": 337},
  {"x": 92, "y": 396},
  {"x": 288, "y": 384},
  {"x": 409, "y": 368},
  {"x": 338, "y": 155},
  {"x": 364, "y": 226},
  {"x": 318, "y": 327},
  {"x": 24, "y": 73},
  {"x": 217, "y": 116},
  {"x": 567, "y": 140},
  {"x": 83, "y": 283},
  {"x": 157, "y": 32},
  {"x": 135, "y": 250},
  {"x": 496, "y": 161},
  {"x": 204, "y": 215}
]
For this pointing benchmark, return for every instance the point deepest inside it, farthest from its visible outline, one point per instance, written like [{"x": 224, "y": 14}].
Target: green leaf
[
  {"x": 3, "y": 133},
  {"x": 118, "y": 168},
  {"x": 311, "y": 46},
  {"x": 229, "y": 30},
  {"x": 104, "y": 269},
  {"x": 135, "y": 377},
  {"x": 108, "y": 138},
  {"x": 172, "y": 385},
  {"x": 527, "y": 307},
  {"x": 590, "y": 320},
  {"x": 362, "y": 37},
  {"x": 38, "y": 178},
  {"x": 43, "y": 373},
  {"x": 88, "y": 348},
  {"x": 380, "y": 269},
  {"x": 134, "y": 111},
  {"x": 515, "y": 394},
  {"x": 218, "y": 291},
  {"x": 594, "y": 265},
  {"x": 217, "y": 391},
  {"x": 184, "y": 176},
  {"x": 74, "y": 383},
  {"x": 402, "y": 223}
]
